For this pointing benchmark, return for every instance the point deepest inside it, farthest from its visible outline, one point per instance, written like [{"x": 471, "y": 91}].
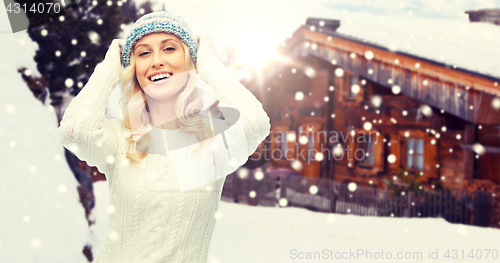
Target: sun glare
[{"x": 254, "y": 49}]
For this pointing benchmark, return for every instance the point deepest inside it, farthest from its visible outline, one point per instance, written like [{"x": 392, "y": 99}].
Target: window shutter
[
  {"x": 404, "y": 150},
  {"x": 291, "y": 147},
  {"x": 346, "y": 84},
  {"x": 395, "y": 148},
  {"x": 343, "y": 83},
  {"x": 276, "y": 141},
  {"x": 273, "y": 144},
  {"x": 430, "y": 158},
  {"x": 302, "y": 154},
  {"x": 361, "y": 94},
  {"x": 378, "y": 152},
  {"x": 352, "y": 145},
  {"x": 339, "y": 88}
]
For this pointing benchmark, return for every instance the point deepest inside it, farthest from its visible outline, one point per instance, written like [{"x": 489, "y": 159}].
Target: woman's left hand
[
  {"x": 206, "y": 56},
  {"x": 114, "y": 54}
]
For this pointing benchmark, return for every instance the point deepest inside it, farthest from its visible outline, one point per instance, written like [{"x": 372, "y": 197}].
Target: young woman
[{"x": 155, "y": 213}]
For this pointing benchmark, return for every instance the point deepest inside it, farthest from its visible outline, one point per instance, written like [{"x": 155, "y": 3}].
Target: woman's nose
[{"x": 158, "y": 60}]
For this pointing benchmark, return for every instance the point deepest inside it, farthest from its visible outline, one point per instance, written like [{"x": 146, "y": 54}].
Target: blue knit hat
[{"x": 159, "y": 22}]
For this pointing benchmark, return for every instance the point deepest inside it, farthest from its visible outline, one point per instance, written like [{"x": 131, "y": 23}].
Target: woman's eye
[
  {"x": 169, "y": 49},
  {"x": 143, "y": 53}
]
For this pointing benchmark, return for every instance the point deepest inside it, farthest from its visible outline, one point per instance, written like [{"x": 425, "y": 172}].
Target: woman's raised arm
[
  {"x": 84, "y": 129},
  {"x": 231, "y": 93}
]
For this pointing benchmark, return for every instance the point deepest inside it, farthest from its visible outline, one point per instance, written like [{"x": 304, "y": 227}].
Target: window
[
  {"x": 284, "y": 145},
  {"x": 367, "y": 147},
  {"x": 311, "y": 150},
  {"x": 310, "y": 132},
  {"x": 367, "y": 155},
  {"x": 280, "y": 144},
  {"x": 415, "y": 154}
]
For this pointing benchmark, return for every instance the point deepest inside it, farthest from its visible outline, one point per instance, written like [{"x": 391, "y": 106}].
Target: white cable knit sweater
[{"x": 148, "y": 224}]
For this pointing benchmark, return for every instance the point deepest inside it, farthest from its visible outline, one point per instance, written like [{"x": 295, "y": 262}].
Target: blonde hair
[{"x": 187, "y": 106}]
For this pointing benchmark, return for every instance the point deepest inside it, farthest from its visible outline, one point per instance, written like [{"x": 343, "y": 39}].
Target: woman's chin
[
  {"x": 164, "y": 91},
  {"x": 161, "y": 96}
]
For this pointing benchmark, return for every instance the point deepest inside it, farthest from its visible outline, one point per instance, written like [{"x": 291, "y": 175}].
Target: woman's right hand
[
  {"x": 114, "y": 54},
  {"x": 205, "y": 46}
]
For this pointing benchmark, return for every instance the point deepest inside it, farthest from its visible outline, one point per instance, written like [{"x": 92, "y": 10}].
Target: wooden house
[
  {"x": 485, "y": 15},
  {"x": 348, "y": 109}
]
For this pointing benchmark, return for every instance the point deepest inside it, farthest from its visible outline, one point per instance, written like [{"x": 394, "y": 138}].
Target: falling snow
[
  {"x": 426, "y": 110},
  {"x": 69, "y": 83},
  {"x": 310, "y": 72},
  {"x": 339, "y": 72},
  {"x": 94, "y": 37},
  {"x": 391, "y": 158},
  {"x": 367, "y": 126},
  {"x": 299, "y": 96},
  {"x": 355, "y": 88},
  {"x": 313, "y": 189},
  {"x": 478, "y": 148},
  {"x": 376, "y": 101},
  {"x": 369, "y": 55}
]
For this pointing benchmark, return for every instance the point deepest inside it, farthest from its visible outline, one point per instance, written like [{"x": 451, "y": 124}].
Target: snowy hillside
[{"x": 42, "y": 219}]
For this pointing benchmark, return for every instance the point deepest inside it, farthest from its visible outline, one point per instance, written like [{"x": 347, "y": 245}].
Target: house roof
[
  {"x": 488, "y": 10},
  {"x": 463, "y": 66},
  {"x": 454, "y": 42}
]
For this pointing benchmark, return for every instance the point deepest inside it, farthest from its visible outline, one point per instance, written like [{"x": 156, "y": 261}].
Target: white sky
[{"x": 258, "y": 27}]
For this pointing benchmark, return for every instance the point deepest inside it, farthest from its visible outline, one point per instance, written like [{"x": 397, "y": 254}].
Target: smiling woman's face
[{"x": 159, "y": 56}]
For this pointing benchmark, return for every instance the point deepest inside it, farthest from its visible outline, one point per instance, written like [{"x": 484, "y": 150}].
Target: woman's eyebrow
[
  {"x": 163, "y": 42},
  {"x": 139, "y": 46},
  {"x": 169, "y": 39}
]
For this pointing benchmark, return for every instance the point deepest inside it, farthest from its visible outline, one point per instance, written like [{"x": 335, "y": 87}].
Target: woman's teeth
[{"x": 160, "y": 76}]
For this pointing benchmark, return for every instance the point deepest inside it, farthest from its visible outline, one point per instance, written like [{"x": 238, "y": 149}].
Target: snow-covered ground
[
  {"x": 248, "y": 234},
  {"x": 99, "y": 216},
  {"x": 41, "y": 218},
  {"x": 267, "y": 234}
]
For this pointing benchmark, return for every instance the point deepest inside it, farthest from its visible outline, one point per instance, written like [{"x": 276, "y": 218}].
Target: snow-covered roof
[{"x": 454, "y": 42}]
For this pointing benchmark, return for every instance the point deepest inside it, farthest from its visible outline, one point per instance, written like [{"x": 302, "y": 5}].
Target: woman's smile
[{"x": 157, "y": 76}]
